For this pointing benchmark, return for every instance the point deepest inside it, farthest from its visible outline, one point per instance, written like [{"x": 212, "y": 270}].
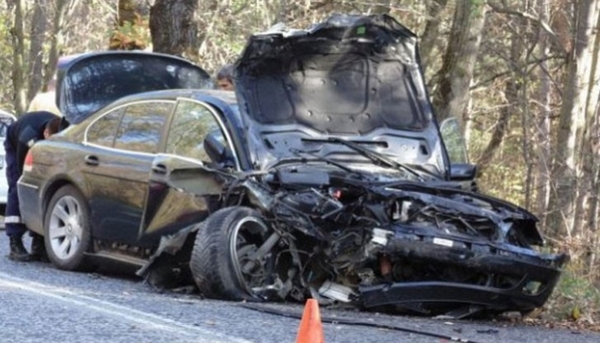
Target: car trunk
[{"x": 88, "y": 82}]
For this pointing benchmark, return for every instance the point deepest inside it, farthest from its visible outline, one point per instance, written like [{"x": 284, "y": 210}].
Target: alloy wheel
[{"x": 65, "y": 231}]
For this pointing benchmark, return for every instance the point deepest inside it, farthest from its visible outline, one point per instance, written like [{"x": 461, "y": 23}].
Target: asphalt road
[{"x": 41, "y": 304}]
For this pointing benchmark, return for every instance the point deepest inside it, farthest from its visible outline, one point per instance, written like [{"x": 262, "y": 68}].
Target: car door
[
  {"x": 125, "y": 142},
  {"x": 182, "y": 190}
]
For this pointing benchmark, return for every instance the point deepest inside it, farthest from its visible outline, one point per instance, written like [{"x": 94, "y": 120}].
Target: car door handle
[
  {"x": 92, "y": 160},
  {"x": 159, "y": 168}
]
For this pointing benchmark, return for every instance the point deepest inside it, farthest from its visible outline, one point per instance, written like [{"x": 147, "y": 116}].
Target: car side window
[
  {"x": 142, "y": 126},
  {"x": 103, "y": 131},
  {"x": 191, "y": 124},
  {"x": 454, "y": 141}
]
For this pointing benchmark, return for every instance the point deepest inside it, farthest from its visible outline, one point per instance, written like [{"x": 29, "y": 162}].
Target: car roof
[{"x": 227, "y": 97}]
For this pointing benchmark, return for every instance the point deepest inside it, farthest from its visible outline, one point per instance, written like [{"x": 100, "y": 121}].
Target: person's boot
[
  {"x": 38, "y": 249},
  {"x": 17, "y": 250}
]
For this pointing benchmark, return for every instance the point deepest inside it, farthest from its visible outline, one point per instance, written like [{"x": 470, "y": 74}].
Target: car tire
[
  {"x": 67, "y": 233},
  {"x": 215, "y": 270}
]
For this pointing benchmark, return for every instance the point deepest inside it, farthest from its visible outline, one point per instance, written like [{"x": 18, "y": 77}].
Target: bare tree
[
  {"x": 543, "y": 136},
  {"x": 452, "y": 94},
  {"x": 432, "y": 31},
  {"x": 17, "y": 33},
  {"x": 563, "y": 196},
  {"x": 511, "y": 92},
  {"x": 60, "y": 9},
  {"x": 36, "y": 54},
  {"x": 587, "y": 200}
]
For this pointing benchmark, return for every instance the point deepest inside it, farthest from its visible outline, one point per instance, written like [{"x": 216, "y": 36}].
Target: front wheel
[
  {"x": 67, "y": 233},
  {"x": 234, "y": 256}
]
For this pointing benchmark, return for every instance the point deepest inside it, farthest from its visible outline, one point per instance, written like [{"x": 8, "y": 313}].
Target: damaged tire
[
  {"x": 67, "y": 233},
  {"x": 233, "y": 256}
]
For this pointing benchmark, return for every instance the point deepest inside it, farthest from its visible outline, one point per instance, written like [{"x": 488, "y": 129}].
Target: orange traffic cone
[{"x": 311, "y": 329}]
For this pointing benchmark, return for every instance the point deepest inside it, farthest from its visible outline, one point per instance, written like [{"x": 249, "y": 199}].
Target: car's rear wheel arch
[{"x": 54, "y": 186}]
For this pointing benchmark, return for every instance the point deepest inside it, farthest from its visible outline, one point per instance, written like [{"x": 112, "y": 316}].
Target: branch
[
  {"x": 533, "y": 63},
  {"x": 543, "y": 24}
]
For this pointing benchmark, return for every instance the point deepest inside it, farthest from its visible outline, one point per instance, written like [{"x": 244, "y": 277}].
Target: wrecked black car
[{"x": 325, "y": 175}]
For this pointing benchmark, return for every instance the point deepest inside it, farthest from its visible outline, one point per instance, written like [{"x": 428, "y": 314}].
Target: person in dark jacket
[{"x": 20, "y": 136}]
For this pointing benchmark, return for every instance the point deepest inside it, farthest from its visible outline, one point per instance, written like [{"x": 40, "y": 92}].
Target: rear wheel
[
  {"x": 234, "y": 256},
  {"x": 67, "y": 233}
]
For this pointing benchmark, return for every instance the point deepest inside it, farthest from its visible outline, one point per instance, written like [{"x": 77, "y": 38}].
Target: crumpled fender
[{"x": 170, "y": 244}]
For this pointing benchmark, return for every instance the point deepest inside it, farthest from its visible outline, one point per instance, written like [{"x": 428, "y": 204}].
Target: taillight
[{"x": 28, "y": 165}]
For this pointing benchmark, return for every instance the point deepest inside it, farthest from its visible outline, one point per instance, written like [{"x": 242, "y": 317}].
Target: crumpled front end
[
  {"x": 433, "y": 271},
  {"x": 405, "y": 245}
]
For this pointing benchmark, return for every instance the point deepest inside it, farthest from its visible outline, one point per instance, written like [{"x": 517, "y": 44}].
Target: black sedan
[{"x": 325, "y": 175}]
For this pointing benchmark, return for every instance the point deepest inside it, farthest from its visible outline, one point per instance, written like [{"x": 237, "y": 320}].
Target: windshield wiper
[
  {"x": 374, "y": 156},
  {"x": 316, "y": 157},
  {"x": 302, "y": 159}
]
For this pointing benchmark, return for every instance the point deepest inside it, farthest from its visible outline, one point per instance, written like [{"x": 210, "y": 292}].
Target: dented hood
[
  {"x": 347, "y": 75},
  {"x": 88, "y": 82}
]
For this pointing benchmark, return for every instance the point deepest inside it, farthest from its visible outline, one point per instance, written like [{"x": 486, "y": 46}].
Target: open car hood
[
  {"x": 347, "y": 75},
  {"x": 352, "y": 77},
  {"x": 88, "y": 82}
]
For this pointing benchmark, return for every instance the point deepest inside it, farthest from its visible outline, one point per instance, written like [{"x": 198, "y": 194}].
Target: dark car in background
[{"x": 325, "y": 175}]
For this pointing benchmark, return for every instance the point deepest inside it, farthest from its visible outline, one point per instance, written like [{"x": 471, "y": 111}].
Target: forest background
[{"x": 521, "y": 77}]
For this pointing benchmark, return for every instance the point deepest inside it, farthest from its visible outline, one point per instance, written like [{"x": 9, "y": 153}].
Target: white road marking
[{"x": 116, "y": 311}]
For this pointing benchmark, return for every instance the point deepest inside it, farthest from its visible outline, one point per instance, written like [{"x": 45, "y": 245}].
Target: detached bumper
[
  {"x": 402, "y": 293},
  {"x": 535, "y": 275}
]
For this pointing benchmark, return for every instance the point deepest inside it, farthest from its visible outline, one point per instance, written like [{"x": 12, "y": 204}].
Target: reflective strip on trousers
[{"x": 12, "y": 220}]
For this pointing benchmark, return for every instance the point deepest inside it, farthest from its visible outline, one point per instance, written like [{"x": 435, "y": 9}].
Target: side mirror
[
  {"x": 463, "y": 172},
  {"x": 217, "y": 150}
]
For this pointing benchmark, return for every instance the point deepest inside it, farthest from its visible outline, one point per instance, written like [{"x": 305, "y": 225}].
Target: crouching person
[{"x": 20, "y": 136}]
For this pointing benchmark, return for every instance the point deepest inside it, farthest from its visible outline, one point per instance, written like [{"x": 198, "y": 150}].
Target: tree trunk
[
  {"x": 432, "y": 31},
  {"x": 174, "y": 27},
  {"x": 593, "y": 209},
  {"x": 526, "y": 145},
  {"x": 36, "y": 54},
  {"x": 18, "y": 52},
  {"x": 452, "y": 95},
  {"x": 587, "y": 145},
  {"x": 56, "y": 40},
  {"x": 543, "y": 123},
  {"x": 576, "y": 89}
]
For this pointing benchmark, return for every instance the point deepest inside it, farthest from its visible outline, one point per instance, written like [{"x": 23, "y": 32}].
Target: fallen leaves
[{"x": 584, "y": 321}]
